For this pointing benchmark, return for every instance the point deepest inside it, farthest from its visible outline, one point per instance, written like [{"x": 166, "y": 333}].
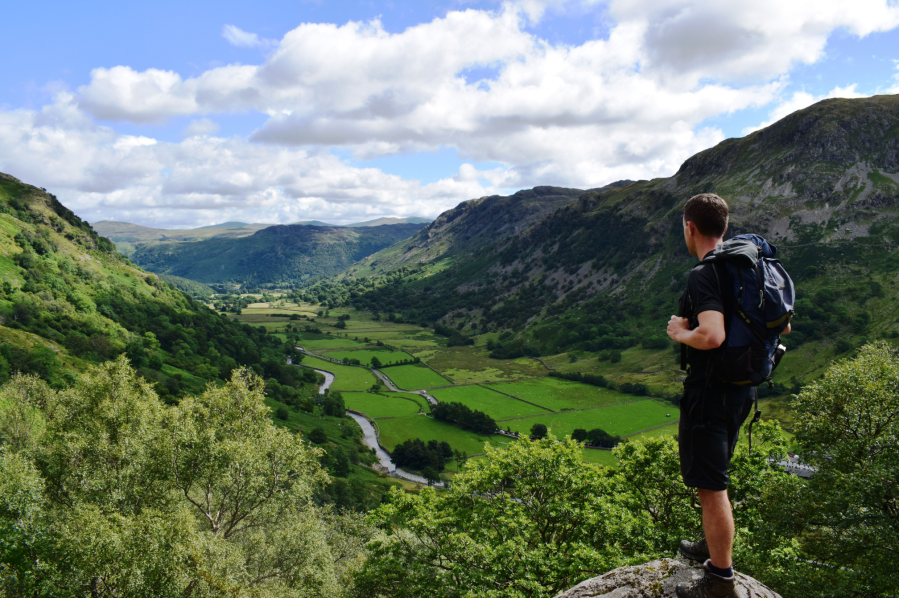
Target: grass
[
  {"x": 464, "y": 365},
  {"x": 318, "y": 342},
  {"x": 399, "y": 429},
  {"x": 557, "y": 394},
  {"x": 345, "y": 377},
  {"x": 617, "y": 420},
  {"x": 376, "y": 405},
  {"x": 422, "y": 402},
  {"x": 385, "y": 356},
  {"x": 496, "y": 405},
  {"x": 599, "y": 456},
  {"x": 414, "y": 377}
]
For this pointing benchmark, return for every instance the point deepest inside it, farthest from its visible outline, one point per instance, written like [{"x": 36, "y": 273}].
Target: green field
[
  {"x": 496, "y": 405},
  {"x": 414, "y": 377},
  {"x": 376, "y": 405},
  {"x": 599, "y": 456},
  {"x": 399, "y": 429},
  {"x": 315, "y": 342},
  {"x": 385, "y": 356},
  {"x": 617, "y": 420},
  {"x": 557, "y": 394},
  {"x": 346, "y": 377},
  {"x": 422, "y": 402}
]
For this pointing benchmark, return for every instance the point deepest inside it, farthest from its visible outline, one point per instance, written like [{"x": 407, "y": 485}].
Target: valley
[{"x": 516, "y": 393}]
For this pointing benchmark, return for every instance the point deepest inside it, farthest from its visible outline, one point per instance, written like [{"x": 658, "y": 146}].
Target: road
[{"x": 370, "y": 437}]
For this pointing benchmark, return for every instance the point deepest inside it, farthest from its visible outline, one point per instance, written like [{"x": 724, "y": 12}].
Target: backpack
[{"x": 758, "y": 298}]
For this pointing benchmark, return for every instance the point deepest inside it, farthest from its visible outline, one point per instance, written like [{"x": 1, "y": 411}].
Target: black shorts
[{"x": 710, "y": 420}]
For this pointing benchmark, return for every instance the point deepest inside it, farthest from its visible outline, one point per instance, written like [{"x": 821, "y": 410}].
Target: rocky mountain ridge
[{"x": 564, "y": 270}]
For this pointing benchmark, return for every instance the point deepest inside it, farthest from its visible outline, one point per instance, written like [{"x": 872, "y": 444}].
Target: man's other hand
[
  {"x": 708, "y": 335},
  {"x": 677, "y": 326}
]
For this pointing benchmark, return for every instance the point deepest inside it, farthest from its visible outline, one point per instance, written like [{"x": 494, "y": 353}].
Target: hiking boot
[
  {"x": 710, "y": 586},
  {"x": 698, "y": 551}
]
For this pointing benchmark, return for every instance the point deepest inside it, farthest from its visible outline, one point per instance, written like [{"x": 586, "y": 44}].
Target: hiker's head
[{"x": 705, "y": 220}]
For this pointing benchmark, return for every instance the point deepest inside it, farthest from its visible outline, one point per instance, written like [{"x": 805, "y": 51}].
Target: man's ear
[{"x": 691, "y": 227}]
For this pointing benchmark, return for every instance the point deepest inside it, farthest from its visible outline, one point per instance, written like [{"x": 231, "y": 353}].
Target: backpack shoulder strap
[{"x": 725, "y": 289}]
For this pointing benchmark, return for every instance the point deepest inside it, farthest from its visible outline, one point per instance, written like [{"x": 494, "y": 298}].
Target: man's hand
[
  {"x": 677, "y": 326},
  {"x": 708, "y": 335}
]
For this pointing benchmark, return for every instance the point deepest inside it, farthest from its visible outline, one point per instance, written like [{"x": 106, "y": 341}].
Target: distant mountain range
[{"x": 129, "y": 234}]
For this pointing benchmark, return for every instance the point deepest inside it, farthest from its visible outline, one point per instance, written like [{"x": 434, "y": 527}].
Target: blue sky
[{"x": 179, "y": 114}]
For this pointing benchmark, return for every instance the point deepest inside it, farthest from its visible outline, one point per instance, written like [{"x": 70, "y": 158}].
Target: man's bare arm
[{"x": 708, "y": 335}]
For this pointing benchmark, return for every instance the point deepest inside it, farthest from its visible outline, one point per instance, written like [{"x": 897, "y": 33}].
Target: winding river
[{"x": 370, "y": 438}]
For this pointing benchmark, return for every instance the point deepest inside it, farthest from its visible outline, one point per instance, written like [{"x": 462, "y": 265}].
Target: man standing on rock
[{"x": 711, "y": 413}]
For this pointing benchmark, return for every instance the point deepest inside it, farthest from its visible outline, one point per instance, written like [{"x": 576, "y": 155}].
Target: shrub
[
  {"x": 538, "y": 431},
  {"x": 282, "y": 413},
  {"x": 318, "y": 436}
]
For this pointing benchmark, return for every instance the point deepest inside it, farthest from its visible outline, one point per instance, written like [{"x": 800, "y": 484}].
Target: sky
[{"x": 191, "y": 113}]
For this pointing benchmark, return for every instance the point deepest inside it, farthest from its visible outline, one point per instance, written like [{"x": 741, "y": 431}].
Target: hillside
[
  {"x": 276, "y": 255},
  {"x": 598, "y": 272},
  {"x": 68, "y": 299}
]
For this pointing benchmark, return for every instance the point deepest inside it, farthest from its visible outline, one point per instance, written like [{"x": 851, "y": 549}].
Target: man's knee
[{"x": 712, "y": 497}]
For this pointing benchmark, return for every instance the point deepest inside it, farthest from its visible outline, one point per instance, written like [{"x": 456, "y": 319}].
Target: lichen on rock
[{"x": 656, "y": 579}]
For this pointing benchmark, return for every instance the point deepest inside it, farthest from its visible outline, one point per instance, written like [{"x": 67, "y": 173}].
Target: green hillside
[
  {"x": 597, "y": 273},
  {"x": 277, "y": 255},
  {"x": 68, "y": 299}
]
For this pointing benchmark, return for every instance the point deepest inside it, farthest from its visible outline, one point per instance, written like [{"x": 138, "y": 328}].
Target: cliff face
[{"x": 656, "y": 579}]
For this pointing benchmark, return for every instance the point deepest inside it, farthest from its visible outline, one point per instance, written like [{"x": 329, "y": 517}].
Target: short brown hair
[{"x": 708, "y": 212}]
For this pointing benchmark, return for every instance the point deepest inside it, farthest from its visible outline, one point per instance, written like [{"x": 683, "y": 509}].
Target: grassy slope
[{"x": 496, "y": 405}]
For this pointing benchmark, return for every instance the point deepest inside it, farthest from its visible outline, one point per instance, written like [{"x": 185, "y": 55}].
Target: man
[{"x": 711, "y": 413}]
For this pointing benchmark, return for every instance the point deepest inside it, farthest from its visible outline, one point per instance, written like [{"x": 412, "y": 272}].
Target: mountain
[
  {"x": 68, "y": 299},
  {"x": 382, "y": 221},
  {"x": 125, "y": 232},
  {"x": 600, "y": 270},
  {"x": 276, "y": 255}
]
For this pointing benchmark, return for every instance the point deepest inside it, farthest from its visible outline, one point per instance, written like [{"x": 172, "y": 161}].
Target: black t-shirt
[{"x": 703, "y": 294}]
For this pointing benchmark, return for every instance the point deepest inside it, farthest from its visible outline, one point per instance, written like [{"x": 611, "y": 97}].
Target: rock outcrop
[{"x": 656, "y": 579}]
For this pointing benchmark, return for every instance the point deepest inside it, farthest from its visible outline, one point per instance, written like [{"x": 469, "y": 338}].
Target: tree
[
  {"x": 431, "y": 475},
  {"x": 530, "y": 520},
  {"x": 318, "y": 436},
  {"x": 538, "y": 431},
  {"x": 579, "y": 434},
  {"x": 840, "y": 529},
  {"x": 375, "y": 362},
  {"x": 333, "y": 405},
  {"x": 282, "y": 413},
  {"x": 110, "y": 493}
]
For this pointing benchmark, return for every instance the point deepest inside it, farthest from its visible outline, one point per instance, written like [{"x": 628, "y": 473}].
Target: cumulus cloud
[
  {"x": 203, "y": 179},
  {"x": 630, "y": 105}
]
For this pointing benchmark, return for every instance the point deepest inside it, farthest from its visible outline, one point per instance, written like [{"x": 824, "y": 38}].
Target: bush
[
  {"x": 538, "y": 431},
  {"x": 282, "y": 413},
  {"x": 318, "y": 436},
  {"x": 579, "y": 434}
]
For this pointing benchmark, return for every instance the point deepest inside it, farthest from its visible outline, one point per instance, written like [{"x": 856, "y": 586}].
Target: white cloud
[
  {"x": 800, "y": 100},
  {"x": 200, "y": 126},
  {"x": 628, "y": 106},
  {"x": 202, "y": 180},
  {"x": 244, "y": 39}
]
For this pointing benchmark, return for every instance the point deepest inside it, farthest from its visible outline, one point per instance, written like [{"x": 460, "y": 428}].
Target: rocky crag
[{"x": 656, "y": 579}]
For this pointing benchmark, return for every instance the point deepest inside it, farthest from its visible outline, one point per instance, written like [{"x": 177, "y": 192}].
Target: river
[{"x": 370, "y": 439}]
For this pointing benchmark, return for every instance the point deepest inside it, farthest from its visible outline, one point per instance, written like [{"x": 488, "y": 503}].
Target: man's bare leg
[{"x": 718, "y": 524}]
